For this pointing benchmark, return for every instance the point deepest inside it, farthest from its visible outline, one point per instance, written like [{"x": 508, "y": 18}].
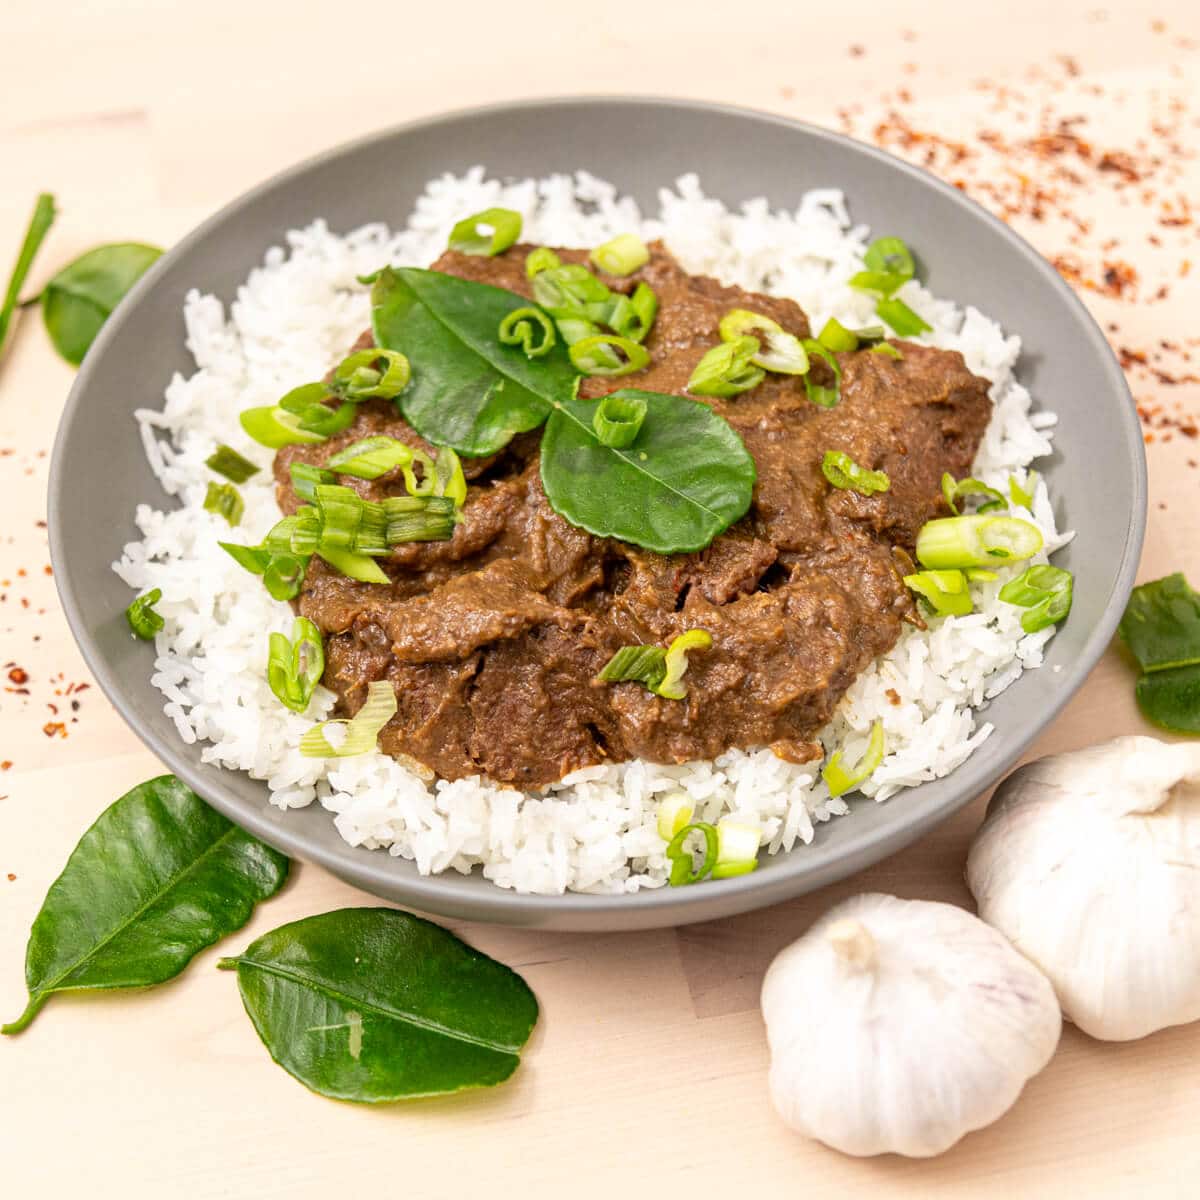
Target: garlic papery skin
[
  {"x": 898, "y": 1026},
  {"x": 1089, "y": 862}
]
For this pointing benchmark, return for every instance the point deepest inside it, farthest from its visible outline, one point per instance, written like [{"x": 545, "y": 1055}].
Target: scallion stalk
[{"x": 1044, "y": 591}]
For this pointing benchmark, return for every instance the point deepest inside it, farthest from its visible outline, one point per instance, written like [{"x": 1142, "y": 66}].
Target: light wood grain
[{"x": 647, "y": 1070}]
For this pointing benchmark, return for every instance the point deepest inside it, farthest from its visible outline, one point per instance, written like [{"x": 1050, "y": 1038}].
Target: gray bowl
[{"x": 1098, "y": 476}]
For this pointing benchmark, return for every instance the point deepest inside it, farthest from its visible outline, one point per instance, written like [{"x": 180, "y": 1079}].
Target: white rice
[{"x": 594, "y": 831}]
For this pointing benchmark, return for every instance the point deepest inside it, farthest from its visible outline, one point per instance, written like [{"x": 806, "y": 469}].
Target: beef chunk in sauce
[{"x": 493, "y": 639}]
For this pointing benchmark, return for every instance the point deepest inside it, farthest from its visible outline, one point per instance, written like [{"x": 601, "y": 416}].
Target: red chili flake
[
  {"x": 11, "y": 877},
  {"x": 6, "y": 765},
  {"x": 1190, "y": 431},
  {"x": 18, "y": 675},
  {"x": 54, "y": 729},
  {"x": 857, "y": 51},
  {"x": 48, "y": 569},
  {"x": 893, "y": 696}
]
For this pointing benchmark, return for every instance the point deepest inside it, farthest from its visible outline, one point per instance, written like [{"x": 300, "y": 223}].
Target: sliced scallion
[
  {"x": 273, "y": 427},
  {"x": 887, "y": 350},
  {"x": 1044, "y": 591},
  {"x": 295, "y": 666},
  {"x": 1022, "y": 494},
  {"x": 601, "y": 355},
  {"x": 955, "y": 490},
  {"x": 567, "y": 290},
  {"x": 486, "y": 233},
  {"x": 541, "y": 259},
  {"x": 142, "y": 618},
  {"x": 228, "y": 462},
  {"x": 529, "y": 328},
  {"x": 672, "y": 687},
  {"x": 976, "y": 541},
  {"x": 371, "y": 457},
  {"x": 684, "y": 870},
  {"x": 361, "y": 731},
  {"x": 632, "y": 316},
  {"x": 945, "y": 592},
  {"x": 891, "y": 256},
  {"x": 843, "y": 472},
  {"x": 637, "y": 664},
  {"x": 901, "y": 318},
  {"x": 358, "y": 376},
  {"x": 737, "y": 848},
  {"x": 283, "y": 576},
  {"x": 841, "y": 780},
  {"x": 618, "y": 420},
  {"x": 818, "y": 393},
  {"x": 675, "y": 810},
  {"x": 622, "y": 255},
  {"x": 780, "y": 351},
  {"x": 448, "y": 478},
  {"x": 836, "y": 337},
  {"x": 419, "y": 519},
  {"x": 353, "y": 565},
  {"x": 224, "y": 500},
  {"x": 727, "y": 370}
]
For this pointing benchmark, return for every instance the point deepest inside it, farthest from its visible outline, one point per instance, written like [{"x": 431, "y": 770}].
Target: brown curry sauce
[{"x": 493, "y": 639}]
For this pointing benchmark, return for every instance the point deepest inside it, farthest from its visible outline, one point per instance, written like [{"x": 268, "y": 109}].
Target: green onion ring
[
  {"x": 371, "y": 457},
  {"x": 228, "y": 462},
  {"x": 622, "y": 255},
  {"x": 953, "y": 490},
  {"x": 295, "y": 667},
  {"x": 598, "y": 355},
  {"x": 727, "y": 370},
  {"x": 945, "y": 592},
  {"x": 504, "y": 225},
  {"x": 224, "y": 500},
  {"x": 357, "y": 377},
  {"x": 840, "y": 780},
  {"x": 818, "y": 393},
  {"x": 618, "y": 420},
  {"x": 901, "y": 318},
  {"x": 541, "y": 259},
  {"x": 683, "y": 871},
  {"x": 521, "y": 328},
  {"x": 1044, "y": 591},
  {"x": 843, "y": 472}
]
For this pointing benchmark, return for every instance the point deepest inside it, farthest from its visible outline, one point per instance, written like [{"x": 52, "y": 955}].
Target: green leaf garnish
[
  {"x": 155, "y": 880},
  {"x": 373, "y": 1005},
  {"x": 687, "y": 478},
  {"x": 469, "y": 391},
  {"x": 81, "y": 297}
]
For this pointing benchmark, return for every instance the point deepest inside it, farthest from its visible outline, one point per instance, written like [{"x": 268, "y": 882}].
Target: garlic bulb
[
  {"x": 1089, "y": 862},
  {"x": 900, "y": 1025}
]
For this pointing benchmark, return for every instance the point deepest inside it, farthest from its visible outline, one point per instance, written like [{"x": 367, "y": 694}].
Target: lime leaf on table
[
  {"x": 685, "y": 478},
  {"x": 39, "y": 225},
  {"x": 80, "y": 298},
  {"x": 469, "y": 391},
  {"x": 155, "y": 880},
  {"x": 372, "y": 1005},
  {"x": 1161, "y": 625},
  {"x": 1171, "y": 698}
]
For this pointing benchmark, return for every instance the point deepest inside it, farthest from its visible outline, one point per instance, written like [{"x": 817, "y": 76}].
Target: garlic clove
[
  {"x": 1089, "y": 862},
  {"x": 900, "y": 1025}
]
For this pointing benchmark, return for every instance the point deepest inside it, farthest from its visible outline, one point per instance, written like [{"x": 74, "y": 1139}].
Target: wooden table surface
[{"x": 1079, "y": 121}]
